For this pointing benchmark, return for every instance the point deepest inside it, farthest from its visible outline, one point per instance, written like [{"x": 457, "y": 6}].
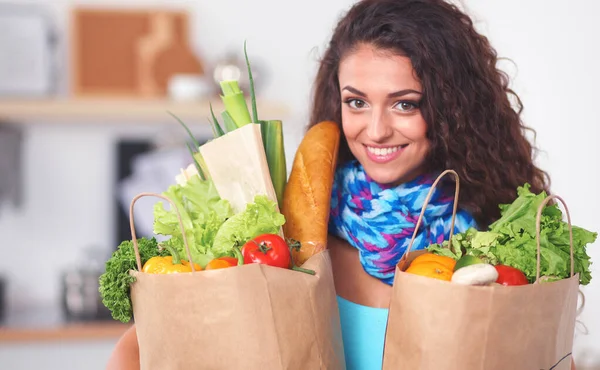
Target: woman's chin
[{"x": 385, "y": 177}]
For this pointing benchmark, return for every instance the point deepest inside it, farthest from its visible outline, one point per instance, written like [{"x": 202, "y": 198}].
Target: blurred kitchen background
[{"x": 85, "y": 91}]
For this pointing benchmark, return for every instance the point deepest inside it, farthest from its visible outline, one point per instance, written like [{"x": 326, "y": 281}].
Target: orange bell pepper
[{"x": 433, "y": 266}]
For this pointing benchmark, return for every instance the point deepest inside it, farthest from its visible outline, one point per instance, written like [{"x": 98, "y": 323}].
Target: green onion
[
  {"x": 235, "y": 103},
  {"x": 198, "y": 168},
  {"x": 272, "y": 134},
  {"x": 199, "y": 160},
  {"x": 196, "y": 157},
  {"x": 187, "y": 129},
  {"x": 217, "y": 129},
  {"x": 252, "y": 93}
]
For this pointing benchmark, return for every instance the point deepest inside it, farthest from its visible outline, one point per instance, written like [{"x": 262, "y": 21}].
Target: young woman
[{"x": 416, "y": 91}]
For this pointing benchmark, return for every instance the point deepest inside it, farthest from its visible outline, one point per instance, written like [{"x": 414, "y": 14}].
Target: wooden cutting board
[{"x": 130, "y": 53}]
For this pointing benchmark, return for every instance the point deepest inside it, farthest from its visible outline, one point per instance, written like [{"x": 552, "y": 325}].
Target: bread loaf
[{"x": 307, "y": 196}]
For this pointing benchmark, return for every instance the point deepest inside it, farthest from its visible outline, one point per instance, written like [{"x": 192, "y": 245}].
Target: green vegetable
[
  {"x": 115, "y": 281},
  {"x": 511, "y": 240},
  {"x": 252, "y": 93},
  {"x": 235, "y": 103},
  {"x": 200, "y": 163},
  {"x": 196, "y": 157},
  {"x": 260, "y": 217},
  {"x": 467, "y": 261},
  {"x": 272, "y": 134},
  {"x": 228, "y": 121},
  {"x": 236, "y": 115},
  {"x": 217, "y": 129},
  {"x": 202, "y": 213},
  {"x": 197, "y": 163}
]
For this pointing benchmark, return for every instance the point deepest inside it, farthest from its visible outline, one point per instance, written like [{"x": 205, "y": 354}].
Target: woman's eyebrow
[
  {"x": 391, "y": 95},
  {"x": 403, "y": 92},
  {"x": 354, "y": 91}
]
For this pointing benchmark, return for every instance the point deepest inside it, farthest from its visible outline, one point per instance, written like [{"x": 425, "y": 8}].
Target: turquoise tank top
[{"x": 363, "y": 334}]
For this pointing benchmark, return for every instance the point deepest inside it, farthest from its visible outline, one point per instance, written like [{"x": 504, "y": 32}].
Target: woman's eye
[
  {"x": 406, "y": 106},
  {"x": 356, "y": 103}
]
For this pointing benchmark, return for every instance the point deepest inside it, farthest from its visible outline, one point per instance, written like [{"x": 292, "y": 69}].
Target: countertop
[{"x": 50, "y": 325}]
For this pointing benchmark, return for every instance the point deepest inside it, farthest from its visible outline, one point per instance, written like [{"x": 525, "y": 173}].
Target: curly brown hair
[{"x": 471, "y": 124}]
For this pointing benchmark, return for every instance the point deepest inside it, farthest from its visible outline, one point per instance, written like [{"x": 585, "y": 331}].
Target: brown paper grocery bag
[
  {"x": 435, "y": 324},
  {"x": 246, "y": 317}
]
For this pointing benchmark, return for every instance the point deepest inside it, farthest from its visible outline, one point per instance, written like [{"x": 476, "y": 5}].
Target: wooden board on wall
[{"x": 129, "y": 52}]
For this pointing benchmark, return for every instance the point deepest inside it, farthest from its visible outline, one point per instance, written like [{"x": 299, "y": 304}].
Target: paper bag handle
[
  {"x": 538, "y": 227},
  {"x": 426, "y": 202},
  {"x": 134, "y": 237}
]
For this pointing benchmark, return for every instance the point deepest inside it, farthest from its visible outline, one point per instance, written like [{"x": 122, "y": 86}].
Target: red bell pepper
[{"x": 508, "y": 275}]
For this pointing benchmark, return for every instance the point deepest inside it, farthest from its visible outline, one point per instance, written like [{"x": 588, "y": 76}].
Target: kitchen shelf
[
  {"x": 75, "y": 331},
  {"x": 142, "y": 111}
]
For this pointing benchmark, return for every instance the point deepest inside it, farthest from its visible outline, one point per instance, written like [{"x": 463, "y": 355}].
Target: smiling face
[{"x": 381, "y": 118}]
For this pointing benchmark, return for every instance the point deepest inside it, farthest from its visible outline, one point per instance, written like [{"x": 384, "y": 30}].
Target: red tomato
[
  {"x": 268, "y": 249},
  {"x": 221, "y": 263},
  {"x": 508, "y": 275}
]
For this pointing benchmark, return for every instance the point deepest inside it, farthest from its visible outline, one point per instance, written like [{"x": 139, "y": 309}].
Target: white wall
[
  {"x": 553, "y": 45},
  {"x": 555, "y": 49}
]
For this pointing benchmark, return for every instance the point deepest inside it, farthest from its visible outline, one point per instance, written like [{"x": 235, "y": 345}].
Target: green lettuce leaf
[
  {"x": 511, "y": 240},
  {"x": 519, "y": 215},
  {"x": 260, "y": 217},
  {"x": 202, "y": 212},
  {"x": 443, "y": 250}
]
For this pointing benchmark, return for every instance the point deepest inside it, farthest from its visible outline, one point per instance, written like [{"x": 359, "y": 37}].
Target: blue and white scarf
[{"x": 379, "y": 220}]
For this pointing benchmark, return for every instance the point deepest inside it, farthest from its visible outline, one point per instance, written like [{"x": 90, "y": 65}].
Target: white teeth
[{"x": 383, "y": 151}]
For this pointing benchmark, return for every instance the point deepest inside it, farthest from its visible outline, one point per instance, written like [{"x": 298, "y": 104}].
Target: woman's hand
[{"x": 126, "y": 355}]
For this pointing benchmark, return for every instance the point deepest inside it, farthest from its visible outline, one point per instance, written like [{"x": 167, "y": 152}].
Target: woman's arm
[{"x": 125, "y": 356}]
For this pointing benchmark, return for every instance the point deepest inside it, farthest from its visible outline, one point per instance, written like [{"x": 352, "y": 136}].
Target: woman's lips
[{"x": 384, "y": 154}]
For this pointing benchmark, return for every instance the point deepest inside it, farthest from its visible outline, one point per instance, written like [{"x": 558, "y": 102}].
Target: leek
[
  {"x": 235, "y": 103},
  {"x": 228, "y": 121},
  {"x": 272, "y": 133},
  {"x": 272, "y": 136},
  {"x": 236, "y": 115}
]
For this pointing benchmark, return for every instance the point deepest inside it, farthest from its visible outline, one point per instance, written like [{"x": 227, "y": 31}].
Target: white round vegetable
[{"x": 478, "y": 274}]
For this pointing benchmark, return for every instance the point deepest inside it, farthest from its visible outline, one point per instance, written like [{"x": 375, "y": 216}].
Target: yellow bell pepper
[{"x": 169, "y": 264}]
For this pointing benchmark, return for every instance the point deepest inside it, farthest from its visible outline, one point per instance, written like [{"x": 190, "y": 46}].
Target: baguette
[{"x": 307, "y": 196}]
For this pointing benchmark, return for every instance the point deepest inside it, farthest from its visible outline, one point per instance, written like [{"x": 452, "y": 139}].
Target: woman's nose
[{"x": 380, "y": 127}]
